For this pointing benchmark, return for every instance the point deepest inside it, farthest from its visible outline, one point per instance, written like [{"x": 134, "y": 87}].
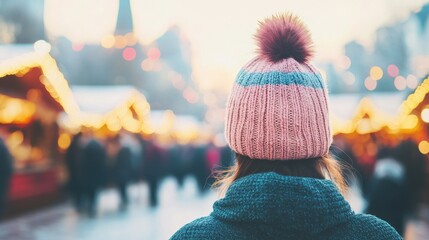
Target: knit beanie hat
[{"x": 278, "y": 107}]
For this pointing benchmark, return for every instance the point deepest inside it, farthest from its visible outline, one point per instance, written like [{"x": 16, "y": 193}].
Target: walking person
[
  {"x": 200, "y": 167},
  {"x": 73, "y": 160},
  {"x": 152, "y": 171},
  {"x": 123, "y": 172},
  {"x": 387, "y": 198},
  {"x": 92, "y": 172},
  {"x": 284, "y": 185}
]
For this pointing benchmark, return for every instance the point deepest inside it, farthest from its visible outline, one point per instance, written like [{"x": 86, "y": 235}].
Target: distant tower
[{"x": 124, "y": 23}]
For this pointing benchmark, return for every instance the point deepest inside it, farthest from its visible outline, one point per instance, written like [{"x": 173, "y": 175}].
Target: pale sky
[{"x": 220, "y": 32}]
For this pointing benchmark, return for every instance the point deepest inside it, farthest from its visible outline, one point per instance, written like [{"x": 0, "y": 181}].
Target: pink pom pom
[{"x": 284, "y": 36}]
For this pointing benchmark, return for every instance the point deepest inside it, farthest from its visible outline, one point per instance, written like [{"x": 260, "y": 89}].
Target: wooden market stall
[
  {"x": 386, "y": 117},
  {"x": 382, "y": 120},
  {"x": 108, "y": 109},
  {"x": 33, "y": 93}
]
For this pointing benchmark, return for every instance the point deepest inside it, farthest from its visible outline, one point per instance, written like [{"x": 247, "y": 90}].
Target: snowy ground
[{"x": 177, "y": 207}]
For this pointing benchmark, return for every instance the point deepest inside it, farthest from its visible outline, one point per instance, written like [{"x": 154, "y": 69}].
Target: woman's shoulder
[
  {"x": 365, "y": 226},
  {"x": 211, "y": 228},
  {"x": 201, "y": 228}
]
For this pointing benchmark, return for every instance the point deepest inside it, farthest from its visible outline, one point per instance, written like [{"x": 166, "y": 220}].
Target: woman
[{"x": 284, "y": 185}]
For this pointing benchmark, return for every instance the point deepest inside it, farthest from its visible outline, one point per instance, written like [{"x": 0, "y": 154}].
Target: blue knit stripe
[{"x": 313, "y": 80}]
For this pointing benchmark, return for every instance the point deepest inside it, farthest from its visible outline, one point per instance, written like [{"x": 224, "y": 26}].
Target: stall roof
[
  {"x": 115, "y": 107},
  {"x": 179, "y": 121},
  {"x": 22, "y": 69},
  {"x": 344, "y": 106},
  {"x": 101, "y": 99}
]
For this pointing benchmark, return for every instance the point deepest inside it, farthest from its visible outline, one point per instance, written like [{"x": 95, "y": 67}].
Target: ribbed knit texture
[
  {"x": 273, "y": 206},
  {"x": 278, "y": 111}
]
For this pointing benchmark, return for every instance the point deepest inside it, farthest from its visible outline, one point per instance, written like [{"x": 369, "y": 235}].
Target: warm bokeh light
[
  {"x": 370, "y": 84},
  {"x": 148, "y": 65},
  {"x": 424, "y": 147},
  {"x": 393, "y": 70},
  {"x": 15, "y": 110},
  {"x": 400, "y": 83},
  {"x": 113, "y": 124},
  {"x": 129, "y": 54},
  {"x": 131, "y": 39},
  {"x": 120, "y": 42},
  {"x": 410, "y": 122},
  {"x": 176, "y": 80},
  {"x": 190, "y": 95},
  {"x": 77, "y": 47},
  {"x": 153, "y": 53},
  {"x": 412, "y": 81},
  {"x": 108, "y": 41},
  {"x": 376, "y": 73},
  {"x": 64, "y": 141},
  {"x": 344, "y": 62},
  {"x": 42, "y": 47},
  {"x": 425, "y": 115}
]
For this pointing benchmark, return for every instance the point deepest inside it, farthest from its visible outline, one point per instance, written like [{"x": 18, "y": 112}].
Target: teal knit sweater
[{"x": 273, "y": 206}]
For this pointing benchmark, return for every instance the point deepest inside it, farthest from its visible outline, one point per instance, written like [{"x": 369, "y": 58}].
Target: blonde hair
[{"x": 325, "y": 167}]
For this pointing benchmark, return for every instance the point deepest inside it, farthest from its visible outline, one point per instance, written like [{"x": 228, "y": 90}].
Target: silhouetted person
[
  {"x": 73, "y": 163},
  {"x": 176, "y": 162},
  {"x": 123, "y": 173},
  {"x": 415, "y": 172},
  {"x": 387, "y": 198},
  {"x": 92, "y": 174},
  {"x": 200, "y": 167},
  {"x": 152, "y": 170},
  {"x": 6, "y": 169}
]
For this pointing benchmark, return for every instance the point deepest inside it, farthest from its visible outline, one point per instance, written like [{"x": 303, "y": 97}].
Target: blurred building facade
[{"x": 397, "y": 60}]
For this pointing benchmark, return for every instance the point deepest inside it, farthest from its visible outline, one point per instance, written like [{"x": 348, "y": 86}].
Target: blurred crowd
[{"x": 124, "y": 159}]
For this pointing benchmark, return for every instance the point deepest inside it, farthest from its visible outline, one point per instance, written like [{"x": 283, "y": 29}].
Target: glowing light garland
[
  {"x": 52, "y": 78},
  {"x": 368, "y": 118}
]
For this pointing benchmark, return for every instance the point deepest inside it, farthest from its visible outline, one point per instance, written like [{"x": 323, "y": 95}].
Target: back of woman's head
[{"x": 277, "y": 116}]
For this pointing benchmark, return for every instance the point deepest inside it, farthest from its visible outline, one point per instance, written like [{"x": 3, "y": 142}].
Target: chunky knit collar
[{"x": 283, "y": 203}]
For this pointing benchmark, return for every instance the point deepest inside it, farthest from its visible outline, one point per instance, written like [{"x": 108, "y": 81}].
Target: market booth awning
[
  {"x": 109, "y": 107},
  {"x": 394, "y": 111},
  {"x": 33, "y": 78}
]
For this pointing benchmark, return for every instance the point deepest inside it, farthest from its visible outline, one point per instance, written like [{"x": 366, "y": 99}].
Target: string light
[
  {"x": 392, "y": 70},
  {"x": 370, "y": 83},
  {"x": 129, "y": 54},
  {"x": 108, "y": 41},
  {"x": 412, "y": 81},
  {"x": 424, "y": 147},
  {"x": 374, "y": 119},
  {"x": 52, "y": 79},
  {"x": 400, "y": 83},
  {"x": 376, "y": 73}
]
